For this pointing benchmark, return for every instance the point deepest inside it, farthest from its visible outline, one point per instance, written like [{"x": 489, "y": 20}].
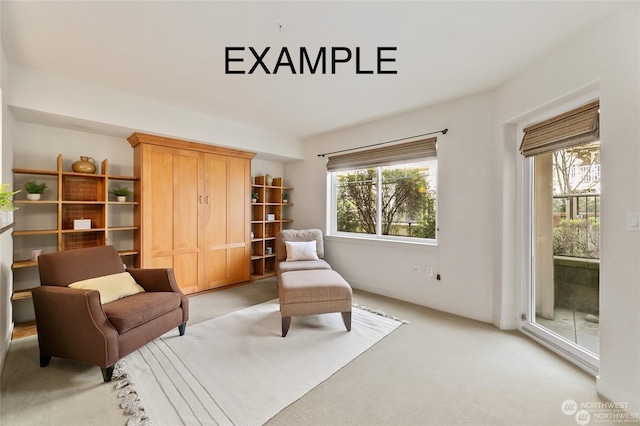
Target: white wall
[
  {"x": 264, "y": 167},
  {"x": 607, "y": 58},
  {"x": 465, "y": 251},
  {"x": 38, "y": 146},
  {"x": 6, "y": 242}
]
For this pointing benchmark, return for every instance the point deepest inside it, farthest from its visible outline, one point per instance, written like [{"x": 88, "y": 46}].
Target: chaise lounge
[{"x": 306, "y": 283}]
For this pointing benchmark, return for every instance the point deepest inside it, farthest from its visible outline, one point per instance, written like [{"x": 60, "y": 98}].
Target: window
[{"x": 387, "y": 201}]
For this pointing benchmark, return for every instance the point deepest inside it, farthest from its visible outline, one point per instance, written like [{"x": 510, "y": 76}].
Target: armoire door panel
[
  {"x": 237, "y": 199},
  {"x": 161, "y": 262},
  {"x": 186, "y": 271},
  {"x": 216, "y": 269},
  {"x": 158, "y": 201},
  {"x": 216, "y": 208},
  {"x": 240, "y": 270},
  {"x": 187, "y": 203}
]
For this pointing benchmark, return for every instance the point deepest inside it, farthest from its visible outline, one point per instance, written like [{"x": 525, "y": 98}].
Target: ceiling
[{"x": 174, "y": 52}]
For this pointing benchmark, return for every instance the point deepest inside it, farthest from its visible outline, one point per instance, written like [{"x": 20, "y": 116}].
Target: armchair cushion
[
  {"x": 111, "y": 287},
  {"x": 301, "y": 250},
  {"x": 130, "y": 312}
]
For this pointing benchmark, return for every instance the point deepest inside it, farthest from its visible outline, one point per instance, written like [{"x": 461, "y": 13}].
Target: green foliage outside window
[
  {"x": 577, "y": 238},
  {"x": 407, "y": 204}
]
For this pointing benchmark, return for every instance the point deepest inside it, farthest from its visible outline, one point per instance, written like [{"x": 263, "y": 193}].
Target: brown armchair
[{"x": 73, "y": 324}]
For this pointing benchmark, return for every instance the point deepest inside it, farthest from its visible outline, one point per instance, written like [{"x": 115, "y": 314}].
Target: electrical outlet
[
  {"x": 429, "y": 271},
  {"x": 416, "y": 269}
]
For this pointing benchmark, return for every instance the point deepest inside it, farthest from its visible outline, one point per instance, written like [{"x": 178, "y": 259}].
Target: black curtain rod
[{"x": 444, "y": 132}]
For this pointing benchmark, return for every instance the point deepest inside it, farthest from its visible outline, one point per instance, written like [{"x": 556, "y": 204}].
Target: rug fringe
[
  {"x": 380, "y": 312},
  {"x": 130, "y": 404}
]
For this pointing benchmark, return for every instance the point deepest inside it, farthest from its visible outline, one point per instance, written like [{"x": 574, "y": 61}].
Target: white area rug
[{"x": 238, "y": 370}]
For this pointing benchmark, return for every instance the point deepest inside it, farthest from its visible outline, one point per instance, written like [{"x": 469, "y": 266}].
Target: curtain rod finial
[{"x": 444, "y": 132}]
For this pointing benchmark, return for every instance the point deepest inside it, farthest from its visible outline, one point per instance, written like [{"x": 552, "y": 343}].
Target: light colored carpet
[
  {"x": 439, "y": 370},
  {"x": 238, "y": 370}
]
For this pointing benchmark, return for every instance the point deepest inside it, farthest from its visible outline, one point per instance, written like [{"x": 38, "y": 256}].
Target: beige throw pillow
[
  {"x": 301, "y": 250},
  {"x": 111, "y": 287}
]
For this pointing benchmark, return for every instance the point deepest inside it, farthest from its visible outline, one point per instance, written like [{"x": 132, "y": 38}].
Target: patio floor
[{"x": 573, "y": 326}]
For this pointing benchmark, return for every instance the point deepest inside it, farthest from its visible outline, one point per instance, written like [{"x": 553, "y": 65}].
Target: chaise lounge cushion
[
  {"x": 301, "y": 250},
  {"x": 303, "y": 265},
  {"x": 132, "y": 311},
  {"x": 295, "y": 235},
  {"x": 299, "y": 235}
]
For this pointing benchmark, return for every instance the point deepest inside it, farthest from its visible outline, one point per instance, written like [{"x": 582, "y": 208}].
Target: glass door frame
[{"x": 569, "y": 350}]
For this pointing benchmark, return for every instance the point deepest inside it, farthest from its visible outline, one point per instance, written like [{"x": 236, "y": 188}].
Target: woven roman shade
[
  {"x": 576, "y": 127},
  {"x": 419, "y": 150}
]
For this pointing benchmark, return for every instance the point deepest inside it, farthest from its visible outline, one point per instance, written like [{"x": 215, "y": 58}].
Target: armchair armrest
[
  {"x": 72, "y": 324},
  {"x": 155, "y": 279},
  {"x": 160, "y": 279}
]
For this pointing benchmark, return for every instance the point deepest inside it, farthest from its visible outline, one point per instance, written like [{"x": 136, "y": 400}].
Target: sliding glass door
[{"x": 563, "y": 187}]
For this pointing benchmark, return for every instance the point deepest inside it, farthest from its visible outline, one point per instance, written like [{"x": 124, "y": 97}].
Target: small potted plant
[
  {"x": 6, "y": 203},
  {"x": 34, "y": 190},
  {"x": 254, "y": 197},
  {"x": 285, "y": 198},
  {"x": 121, "y": 193}
]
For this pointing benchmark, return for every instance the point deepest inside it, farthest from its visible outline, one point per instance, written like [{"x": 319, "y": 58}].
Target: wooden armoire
[{"x": 194, "y": 210}]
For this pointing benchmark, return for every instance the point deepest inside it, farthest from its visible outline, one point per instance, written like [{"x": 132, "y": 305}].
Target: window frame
[{"x": 332, "y": 211}]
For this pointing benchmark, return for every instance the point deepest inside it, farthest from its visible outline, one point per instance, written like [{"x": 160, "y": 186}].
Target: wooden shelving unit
[
  {"x": 268, "y": 216},
  {"x": 49, "y": 223}
]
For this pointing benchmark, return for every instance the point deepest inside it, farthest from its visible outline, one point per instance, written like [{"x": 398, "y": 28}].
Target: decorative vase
[
  {"x": 84, "y": 165},
  {"x": 33, "y": 197},
  {"x": 121, "y": 198},
  {"x": 268, "y": 179}
]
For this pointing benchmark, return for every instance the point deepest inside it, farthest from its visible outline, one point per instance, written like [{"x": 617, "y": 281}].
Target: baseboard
[
  {"x": 5, "y": 347},
  {"x": 442, "y": 306},
  {"x": 613, "y": 394},
  {"x": 506, "y": 324}
]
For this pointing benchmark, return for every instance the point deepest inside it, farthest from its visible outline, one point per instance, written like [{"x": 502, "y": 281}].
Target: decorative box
[
  {"x": 271, "y": 216},
  {"x": 82, "y": 224}
]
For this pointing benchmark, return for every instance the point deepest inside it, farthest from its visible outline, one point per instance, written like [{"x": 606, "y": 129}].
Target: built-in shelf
[
  {"x": 69, "y": 196},
  {"x": 21, "y": 294},
  {"x": 265, "y": 230}
]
